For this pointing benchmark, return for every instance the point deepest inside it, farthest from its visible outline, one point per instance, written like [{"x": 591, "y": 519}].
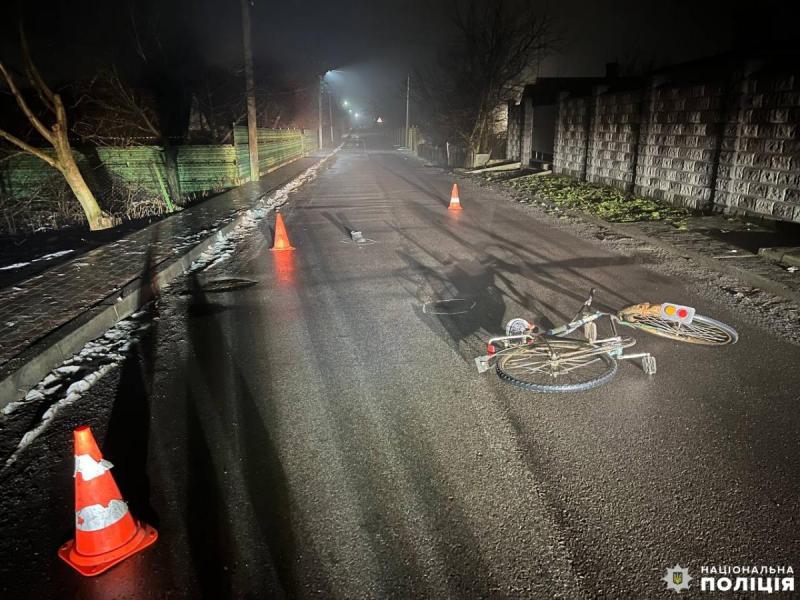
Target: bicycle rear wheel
[
  {"x": 553, "y": 364},
  {"x": 702, "y": 330}
]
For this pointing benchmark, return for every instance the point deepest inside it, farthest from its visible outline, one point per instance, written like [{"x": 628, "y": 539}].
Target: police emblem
[{"x": 677, "y": 578}]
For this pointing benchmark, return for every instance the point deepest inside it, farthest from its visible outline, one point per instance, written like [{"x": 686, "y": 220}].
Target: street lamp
[
  {"x": 345, "y": 104},
  {"x": 330, "y": 112},
  {"x": 319, "y": 114},
  {"x": 322, "y": 78}
]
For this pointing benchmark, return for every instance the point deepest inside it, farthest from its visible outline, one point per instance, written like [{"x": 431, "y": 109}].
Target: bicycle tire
[
  {"x": 609, "y": 366},
  {"x": 702, "y": 330}
]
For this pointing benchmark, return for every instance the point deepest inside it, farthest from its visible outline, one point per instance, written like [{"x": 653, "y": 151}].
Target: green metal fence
[
  {"x": 200, "y": 168},
  {"x": 275, "y": 147}
]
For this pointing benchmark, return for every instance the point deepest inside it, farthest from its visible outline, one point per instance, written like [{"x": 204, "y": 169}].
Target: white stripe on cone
[
  {"x": 89, "y": 467},
  {"x": 96, "y": 516}
]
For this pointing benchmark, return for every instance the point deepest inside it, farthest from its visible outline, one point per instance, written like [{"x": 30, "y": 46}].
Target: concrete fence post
[
  {"x": 589, "y": 126},
  {"x": 733, "y": 88},
  {"x": 558, "y": 150},
  {"x": 526, "y": 135},
  {"x": 513, "y": 131},
  {"x": 645, "y": 110}
]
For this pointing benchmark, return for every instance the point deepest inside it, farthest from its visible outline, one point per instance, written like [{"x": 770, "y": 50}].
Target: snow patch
[
  {"x": 50, "y": 256},
  {"x": 11, "y": 407},
  {"x": 225, "y": 245},
  {"x": 51, "y": 378},
  {"x": 79, "y": 387},
  {"x": 98, "y": 357},
  {"x": 14, "y": 266},
  {"x": 34, "y": 395},
  {"x": 53, "y": 255}
]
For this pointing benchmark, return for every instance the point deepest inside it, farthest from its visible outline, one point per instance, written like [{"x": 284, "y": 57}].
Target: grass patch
[{"x": 605, "y": 202}]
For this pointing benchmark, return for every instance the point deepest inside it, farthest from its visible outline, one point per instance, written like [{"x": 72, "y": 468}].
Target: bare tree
[
  {"x": 219, "y": 103},
  {"x": 496, "y": 46},
  {"x": 57, "y": 135},
  {"x": 168, "y": 60},
  {"x": 108, "y": 111}
]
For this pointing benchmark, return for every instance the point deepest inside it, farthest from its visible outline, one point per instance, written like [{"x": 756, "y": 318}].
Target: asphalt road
[{"x": 318, "y": 432}]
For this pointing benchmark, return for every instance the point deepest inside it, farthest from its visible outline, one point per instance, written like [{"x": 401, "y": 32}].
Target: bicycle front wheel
[
  {"x": 702, "y": 330},
  {"x": 551, "y": 364}
]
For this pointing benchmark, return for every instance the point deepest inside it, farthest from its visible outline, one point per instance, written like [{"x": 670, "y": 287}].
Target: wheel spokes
[
  {"x": 696, "y": 330},
  {"x": 572, "y": 361}
]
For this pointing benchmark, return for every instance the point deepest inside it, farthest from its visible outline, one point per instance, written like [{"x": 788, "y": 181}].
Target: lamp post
[
  {"x": 330, "y": 114},
  {"x": 408, "y": 98},
  {"x": 252, "y": 130},
  {"x": 319, "y": 115}
]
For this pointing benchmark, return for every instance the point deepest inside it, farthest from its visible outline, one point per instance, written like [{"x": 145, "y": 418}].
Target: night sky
[{"x": 374, "y": 43}]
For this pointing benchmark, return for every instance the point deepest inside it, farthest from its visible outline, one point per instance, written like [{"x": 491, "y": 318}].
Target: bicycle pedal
[
  {"x": 482, "y": 364},
  {"x": 649, "y": 365}
]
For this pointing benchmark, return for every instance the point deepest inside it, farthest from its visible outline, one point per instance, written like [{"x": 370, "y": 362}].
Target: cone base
[
  {"x": 282, "y": 249},
  {"x": 94, "y": 565},
  {"x": 454, "y": 207}
]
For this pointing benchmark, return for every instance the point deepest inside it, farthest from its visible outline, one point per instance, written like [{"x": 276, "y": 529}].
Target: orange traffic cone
[
  {"x": 105, "y": 531},
  {"x": 281, "y": 241},
  {"x": 455, "y": 203}
]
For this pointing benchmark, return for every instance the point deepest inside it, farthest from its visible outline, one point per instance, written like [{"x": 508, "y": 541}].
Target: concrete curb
[
  {"x": 787, "y": 255},
  {"x": 62, "y": 343},
  {"x": 748, "y": 277}
]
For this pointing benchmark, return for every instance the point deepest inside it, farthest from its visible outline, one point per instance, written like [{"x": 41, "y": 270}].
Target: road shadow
[
  {"x": 127, "y": 439},
  {"x": 207, "y": 517},
  {"x": 373, "y": 455},
  {"x": 340, "y": 220},
  {"x": 225, "y": 415},
  {"x": 519, "y": 271}
]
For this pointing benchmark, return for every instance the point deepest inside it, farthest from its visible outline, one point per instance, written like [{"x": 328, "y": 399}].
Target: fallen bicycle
[{"x": 548, "y": 361}]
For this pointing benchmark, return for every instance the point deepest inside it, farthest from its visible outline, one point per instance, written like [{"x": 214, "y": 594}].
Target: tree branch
[
  {"x": 29, "y": 149},
  {"x": 45, "y": 93},
  {"x": 44, "y": 131}
]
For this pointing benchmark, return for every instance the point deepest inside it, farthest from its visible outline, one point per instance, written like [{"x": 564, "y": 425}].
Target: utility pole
[
  {"x": 252, "y": 127},
  {"x": 319, "y": 132},
  {"x": 408, "y": 98},
  {"x": 330, "y": 114}
]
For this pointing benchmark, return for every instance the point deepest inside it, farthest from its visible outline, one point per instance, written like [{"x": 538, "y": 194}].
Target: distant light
[
  {"x": 356, "y": 115},
  {"x": 345, "y": 104},
  {"x": 350, "y": 110},
  {"x": 379, "y": 120}
]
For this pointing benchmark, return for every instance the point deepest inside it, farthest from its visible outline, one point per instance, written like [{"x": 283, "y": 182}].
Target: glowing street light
[
  {"x": 345, "y": 104},
  {"x": 355, "y": 115}
]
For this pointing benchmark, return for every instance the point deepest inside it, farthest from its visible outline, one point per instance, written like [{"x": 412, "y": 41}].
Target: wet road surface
[{"x": 318, "y": 431}]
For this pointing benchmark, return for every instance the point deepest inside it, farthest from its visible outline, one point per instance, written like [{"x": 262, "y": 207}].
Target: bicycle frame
[{"x": 614, "y": 346}]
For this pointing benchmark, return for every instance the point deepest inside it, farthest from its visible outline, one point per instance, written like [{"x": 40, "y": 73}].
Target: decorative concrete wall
[
  {"x": 727, "y": 138},
  {"x": 614, "y": 133},
  {"x": 759, "y": 167},
  {"x": 526, "y": 135},
  {"x": 569, "y": 153},
  {"x": 678, "y": 143},
  {"x": 513, "y": 131}
]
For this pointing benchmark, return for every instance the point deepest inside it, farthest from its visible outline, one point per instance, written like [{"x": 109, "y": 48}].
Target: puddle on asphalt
[
  {"x": 449, "y": 306},
  {"x": 357, "y": 238},
  {"x": 228, "y": 284}
]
